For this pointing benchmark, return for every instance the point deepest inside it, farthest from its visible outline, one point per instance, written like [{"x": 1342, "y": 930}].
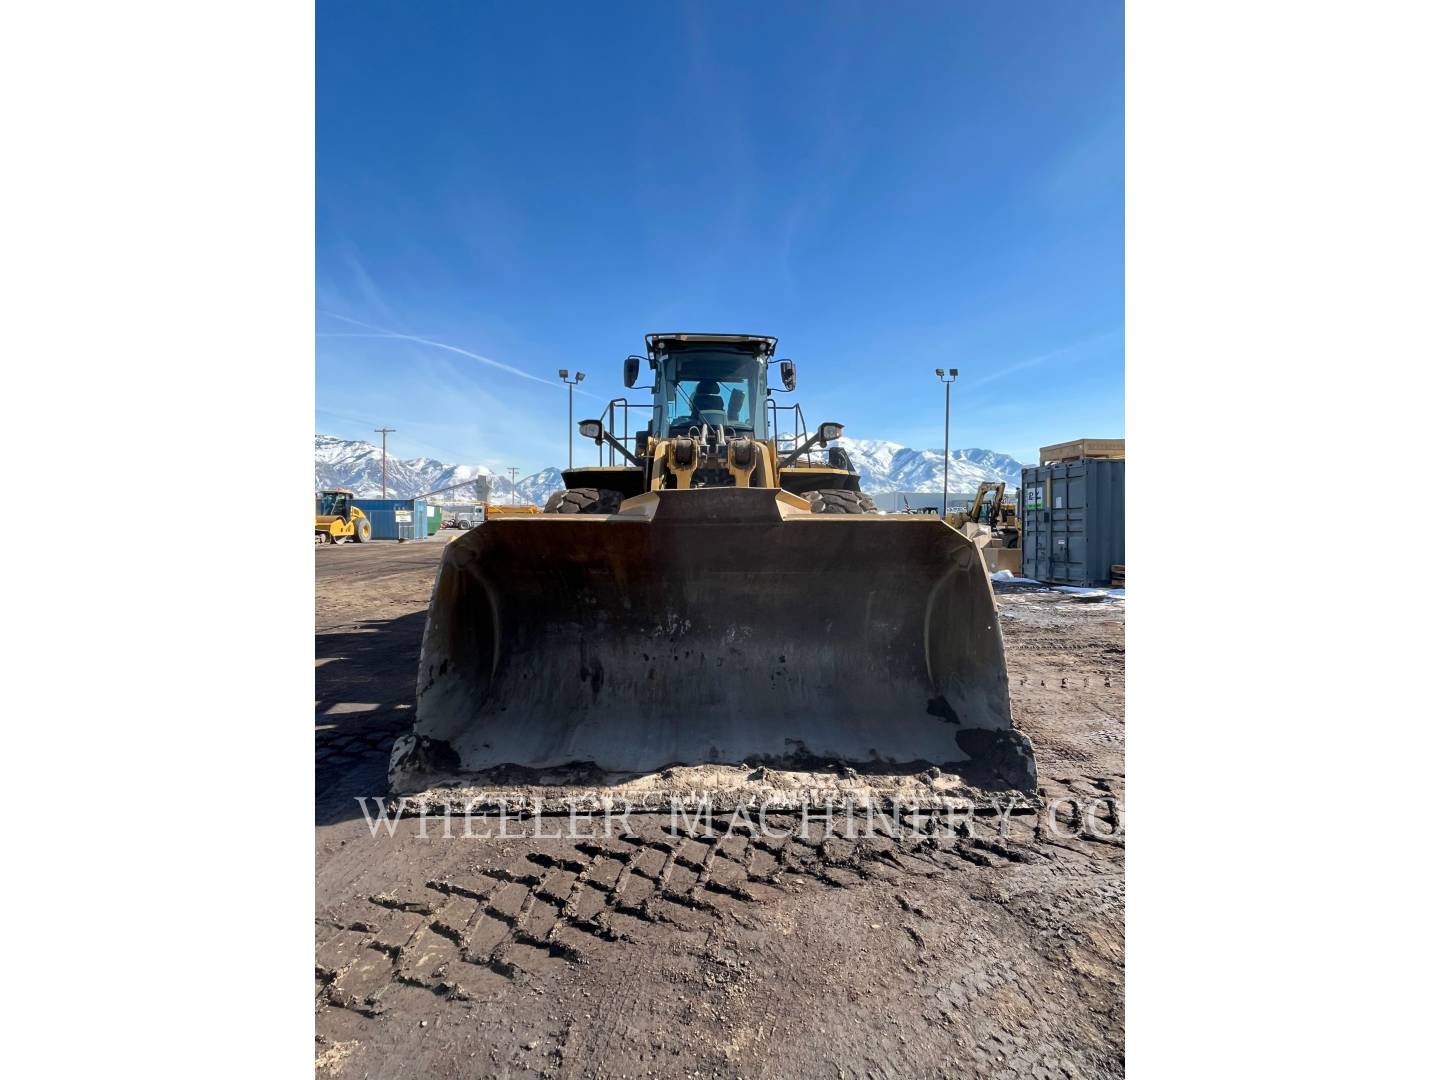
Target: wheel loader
[
  {"x": 722, "y": 593},
  {"x": 338, "y": 518}
]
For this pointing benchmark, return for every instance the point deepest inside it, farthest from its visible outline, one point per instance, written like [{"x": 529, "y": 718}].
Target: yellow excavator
[
  {"x": 994, "y": 512},
  {"x": 994, "y": 525},
  {"x": 338, "y": 518},
  {"x": 720, "y": 593}
]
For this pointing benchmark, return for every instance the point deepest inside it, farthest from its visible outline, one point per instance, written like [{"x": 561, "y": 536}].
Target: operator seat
[{"x": 709, "y": 405}]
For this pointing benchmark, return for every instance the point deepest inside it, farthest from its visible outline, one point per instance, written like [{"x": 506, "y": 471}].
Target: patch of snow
[{"x": 1006, "y": 575}]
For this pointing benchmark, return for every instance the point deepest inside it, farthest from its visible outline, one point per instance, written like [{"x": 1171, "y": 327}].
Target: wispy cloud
[
  {"x": 1066, "y": 354},
  {"x": 351, "y": 334},
  {"x": 367, "y": 426},
  {"x": 365, "y": 284},
  {"x": 380, "y": 331}
]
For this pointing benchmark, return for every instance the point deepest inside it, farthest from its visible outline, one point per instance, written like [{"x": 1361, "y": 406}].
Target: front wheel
[
  {"x": 584, "y": 501},
  {"x": 838, "y": 501}
]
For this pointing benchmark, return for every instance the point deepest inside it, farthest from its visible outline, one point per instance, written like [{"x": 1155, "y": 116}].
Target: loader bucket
[{"x": 712, "y": 625}]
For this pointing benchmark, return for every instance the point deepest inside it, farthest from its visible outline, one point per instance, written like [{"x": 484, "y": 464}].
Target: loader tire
[
  {"x": 584, "y": 501},
  {"x": 362, "y": 531},
  {"x": 837, "y": 501}
]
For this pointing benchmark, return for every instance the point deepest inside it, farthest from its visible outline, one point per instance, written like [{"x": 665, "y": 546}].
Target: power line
[{"x": 383, "y": 432}]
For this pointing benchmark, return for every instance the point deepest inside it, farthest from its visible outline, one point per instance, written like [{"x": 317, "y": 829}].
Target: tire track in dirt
[{"x": 569, "y": 900}]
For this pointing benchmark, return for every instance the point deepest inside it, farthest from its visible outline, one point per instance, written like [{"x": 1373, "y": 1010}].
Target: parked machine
[
  {"x": 1001, "y": 518},
  {"x": 338, "y": 518},
  {"x": 718, "y": 595},
  {"x": 468, "y": 519},
  {"x": 994, "y": 525},
  {"x": 499, "y": 510}
]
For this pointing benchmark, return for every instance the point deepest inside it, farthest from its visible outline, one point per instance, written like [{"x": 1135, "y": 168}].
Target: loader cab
[{"x": 710, "y": 380}]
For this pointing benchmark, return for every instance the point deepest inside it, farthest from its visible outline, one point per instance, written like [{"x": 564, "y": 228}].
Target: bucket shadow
[{"x": 364, "y": 700}]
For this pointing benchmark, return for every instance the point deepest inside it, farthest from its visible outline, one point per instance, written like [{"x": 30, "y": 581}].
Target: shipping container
[
  {"x": 395, "y": 519},
  {"x": 1074, "y": 515}
]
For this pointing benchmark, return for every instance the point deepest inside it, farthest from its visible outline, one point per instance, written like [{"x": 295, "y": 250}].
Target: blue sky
[{"x": 506, "y": 189}]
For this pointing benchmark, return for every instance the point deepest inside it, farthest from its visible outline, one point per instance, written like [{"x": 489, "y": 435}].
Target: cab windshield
[
  {"x": 330, "y": 504},
  {"x": 715, "y": 388}
]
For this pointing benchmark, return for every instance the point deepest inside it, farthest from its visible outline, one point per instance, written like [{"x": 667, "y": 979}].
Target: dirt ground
[{"x": 986, "y": 946}]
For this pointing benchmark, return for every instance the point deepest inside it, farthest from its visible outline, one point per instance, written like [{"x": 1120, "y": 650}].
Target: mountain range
[
  {"x": 887, "y": 467},
  {"x": 356, "y": 465},
  {"x": 884, "y": 468}
]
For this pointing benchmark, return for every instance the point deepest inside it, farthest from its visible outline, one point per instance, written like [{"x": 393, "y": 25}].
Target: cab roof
[{"x": 657, "y": 343}]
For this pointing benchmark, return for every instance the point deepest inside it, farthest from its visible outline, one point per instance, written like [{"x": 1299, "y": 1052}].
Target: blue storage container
[{"x": 395, "y": 519}]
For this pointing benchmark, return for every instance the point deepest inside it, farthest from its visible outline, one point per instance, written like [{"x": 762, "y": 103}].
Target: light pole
[
  {"x": 570, "y": 427},
  {"x": 945, "y": 484},
  {"x": 514, "y": 491}
]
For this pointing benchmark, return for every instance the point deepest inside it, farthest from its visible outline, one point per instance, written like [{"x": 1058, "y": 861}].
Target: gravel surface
[{"x": 978, "y": 945}]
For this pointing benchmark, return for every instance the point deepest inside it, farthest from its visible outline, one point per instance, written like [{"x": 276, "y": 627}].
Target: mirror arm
[
  {"x": 618, "y": 445},
  {"x": 818, "y": 437}
]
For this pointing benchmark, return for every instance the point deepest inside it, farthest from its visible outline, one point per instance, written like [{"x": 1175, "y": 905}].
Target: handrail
[
  {"x": 799, "y": 435},
  {"x": 624, "y": 437},
  {"x": 799, "y": 431}
]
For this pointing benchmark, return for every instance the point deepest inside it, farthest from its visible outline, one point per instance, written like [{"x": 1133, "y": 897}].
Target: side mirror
[
  {"x": 594, "y": 429},
  {"x": 787, "y": 374},
  {"x": 632, "y": 370},
  {"x": 830, "y": 431}
]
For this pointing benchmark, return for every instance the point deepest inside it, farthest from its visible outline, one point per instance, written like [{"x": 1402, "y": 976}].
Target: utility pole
[
  {"x": 514, "y": 491},
  {"x": 383, "y": 432},
  {"x": 945, "y": 484},
  {"x": 570, "y": 427}
]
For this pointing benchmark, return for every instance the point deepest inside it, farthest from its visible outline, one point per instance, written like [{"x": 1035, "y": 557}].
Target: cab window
[{"x": 715, "y": 389}]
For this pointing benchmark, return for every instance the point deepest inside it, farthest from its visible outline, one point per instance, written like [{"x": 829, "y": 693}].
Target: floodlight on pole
[
  {"x": 945, "y": 483},
  {"x": 570, "y": 415}
]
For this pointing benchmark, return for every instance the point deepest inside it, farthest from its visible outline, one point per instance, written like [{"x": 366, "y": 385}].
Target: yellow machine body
[
  {"x": 719, "y": 600},
  {"x": 338, "y": 518}
]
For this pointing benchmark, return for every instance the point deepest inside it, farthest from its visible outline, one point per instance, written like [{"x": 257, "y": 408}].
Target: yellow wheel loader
[
  {"x": 338, "y": 518},
  {"x": 724, "y": 593}
]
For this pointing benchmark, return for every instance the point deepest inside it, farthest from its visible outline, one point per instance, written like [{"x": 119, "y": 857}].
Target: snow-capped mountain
[
  {"x": 884, "y": 467},
  {"x": 539, "y": 487},
  {"x": 353, "y": 464},
  {"x": 887, "y": 466}
]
